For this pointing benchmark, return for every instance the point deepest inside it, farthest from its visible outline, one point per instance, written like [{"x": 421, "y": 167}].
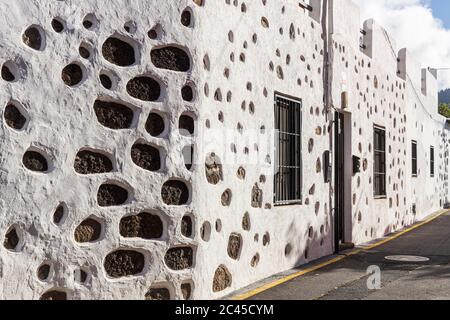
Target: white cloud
[{"x": 412, "y": 24}]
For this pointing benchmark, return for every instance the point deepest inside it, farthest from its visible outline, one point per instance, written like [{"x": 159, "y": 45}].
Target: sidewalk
[{"x": 345, "y": 276}]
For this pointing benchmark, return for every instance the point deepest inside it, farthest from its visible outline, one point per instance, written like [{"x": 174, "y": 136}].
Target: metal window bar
[
  {"x": 362, "y": 46},
  {"x": 379, "y": 162},
  {"x": 288, "y": 176},
  {"x": 305, "y": 5}
]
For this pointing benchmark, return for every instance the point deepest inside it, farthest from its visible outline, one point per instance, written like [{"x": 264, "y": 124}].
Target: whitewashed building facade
[{"x": 186, "y": 149}]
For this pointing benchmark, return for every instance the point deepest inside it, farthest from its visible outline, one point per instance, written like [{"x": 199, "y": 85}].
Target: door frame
[{"x": 343, "y": 169}]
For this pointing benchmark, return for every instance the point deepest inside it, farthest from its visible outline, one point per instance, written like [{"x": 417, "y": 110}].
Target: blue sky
[
  {"x": 421, "y": 26},
  {"x": 441, "y": 10}
]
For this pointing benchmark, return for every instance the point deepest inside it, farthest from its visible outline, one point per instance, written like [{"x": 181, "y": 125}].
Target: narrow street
[{"x": 347, "y": 278}]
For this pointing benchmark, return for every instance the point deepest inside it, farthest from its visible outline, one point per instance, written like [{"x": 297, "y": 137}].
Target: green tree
[{"x": 444, "y": 109}]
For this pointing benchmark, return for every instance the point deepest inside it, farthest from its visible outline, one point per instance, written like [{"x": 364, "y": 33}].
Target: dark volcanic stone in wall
[
  {"x": 186, "y": 18},
  {"x": 287, "y": 250},
  {"x": 213, "y": 169},
  {"x": 246, "y": 224},
  {"x": 155, "y": 124},
  {"x": 187, "y": 93},
  {"x": 257, "y": 197},
  {"x": 234, "y": 246},
  {"x": 32, "y": 38},
  {"x": 153, "y": 34},
  {"x": 14, "y": 118},
  {"x": 171, "y": 58},
  {"x": 241, "y": 173},
  {"x": 144, "y": 88},
  {"x": 225, "y": 199},
  {"x": 255, "y": 260},
  {"x": 43, "y": 272},
  {"x": 89, "y": 162},
  {"x": 113, "y": 115},
  {"x": 88, "y": 231},
  {"x": 146, "y": 157},
  {"x": 7, "y": 75},
  {"x": 179, "y": 258},
  {"x": 187, "y": 125},
  {"x": 266, "y": 239},
  {"x": 144, "y": 225},
  {"x": 88, "y": 24},
  {"x": 186, "y": 291},
  {"x": 57, "y": 26},
  {"x": 54, "y": 295},
  {"x": 58, "y": 215},
  {"x": 35, "y": 161},
  {"x": 175, "y": 193},
  {"x": 72, "y": 75},
  {"x": 158, "y": 294},
  {"x": 84, "y": 52},
  {"x": 106, "y": 81},
  {"x": 11, "y": 239},
  {"x": 90, "y": 21},
  {"x": 118, "y": 52},
  {"x": 111, "y": 195},
  {"x": 205, "y": 231},
  {"x": 124, "y": 263},
  {"x": 222, "y": 279},
  {"x": 186, "y": 226}
]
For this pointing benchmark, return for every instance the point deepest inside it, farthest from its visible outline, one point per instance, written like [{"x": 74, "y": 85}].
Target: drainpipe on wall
[{"x": 327, "y": 30}]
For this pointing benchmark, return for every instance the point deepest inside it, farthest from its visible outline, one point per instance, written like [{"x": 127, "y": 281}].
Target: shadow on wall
[{"x": 306, "y": 244}]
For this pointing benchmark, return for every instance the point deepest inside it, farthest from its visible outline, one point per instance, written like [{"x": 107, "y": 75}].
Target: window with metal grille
[
  {"x": 432, "y": 161},
  {"x": 288, "y": 175},
  {"x": 305, "y": 4},
  {"x": 379, "y": 162},
  {"x": 414, "y": 158}
]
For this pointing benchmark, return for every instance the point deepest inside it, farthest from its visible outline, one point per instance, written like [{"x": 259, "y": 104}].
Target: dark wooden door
[{"x": 339, "y": 195}]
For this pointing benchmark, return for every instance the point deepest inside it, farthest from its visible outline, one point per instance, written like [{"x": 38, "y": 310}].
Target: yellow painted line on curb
[
  {"x": 401, "y": 233},
  {"x": 293, "y": 276}
]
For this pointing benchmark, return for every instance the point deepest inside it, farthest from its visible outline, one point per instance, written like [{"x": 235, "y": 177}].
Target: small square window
[
  {"x": 414, "y": 158},
  {"x": 288, "y": 175},
  {"x": 379, "y": 162}
]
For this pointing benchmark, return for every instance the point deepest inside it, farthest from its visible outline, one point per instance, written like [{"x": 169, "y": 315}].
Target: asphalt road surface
[{"x": 348, "y": 278}]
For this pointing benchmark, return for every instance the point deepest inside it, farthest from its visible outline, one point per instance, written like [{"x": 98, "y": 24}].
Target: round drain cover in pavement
[{"x": 407, "y": 259}]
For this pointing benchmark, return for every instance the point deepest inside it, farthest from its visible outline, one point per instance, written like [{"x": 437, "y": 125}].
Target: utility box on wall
[
  {"x": 328, "y": 169},
  {"x": 356, "y": 165}
]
